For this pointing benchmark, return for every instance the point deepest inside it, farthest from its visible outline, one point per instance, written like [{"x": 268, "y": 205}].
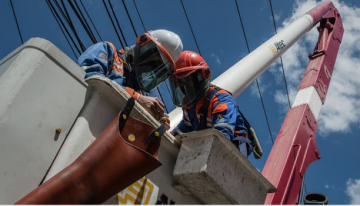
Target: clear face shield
[
  {"x": 152, "y": 63},
  {"x": 187, "y": 90}
]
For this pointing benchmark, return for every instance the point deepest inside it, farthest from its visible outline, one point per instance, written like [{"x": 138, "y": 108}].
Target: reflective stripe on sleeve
[
  {"x": 224, "y": 125},
  {"x": 178, "y": 130}
]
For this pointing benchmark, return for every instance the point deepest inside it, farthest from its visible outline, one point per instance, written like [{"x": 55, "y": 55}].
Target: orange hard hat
[
  {"x": 189, "y": 62},
  {"x": 191, "y": 79}
]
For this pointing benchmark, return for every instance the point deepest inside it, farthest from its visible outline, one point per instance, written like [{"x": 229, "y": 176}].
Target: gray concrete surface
[{"x": 215, "y": 172}]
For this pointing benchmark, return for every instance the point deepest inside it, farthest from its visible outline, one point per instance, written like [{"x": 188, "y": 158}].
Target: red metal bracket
[
  {"x": 319, "y": 70},
  {"x": 285, "y": 168}
]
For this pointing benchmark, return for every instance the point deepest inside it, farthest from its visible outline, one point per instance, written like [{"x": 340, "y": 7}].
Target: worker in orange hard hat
[
  {"x": 205, "y": 105},
  {"x": 139, "y": 68}
]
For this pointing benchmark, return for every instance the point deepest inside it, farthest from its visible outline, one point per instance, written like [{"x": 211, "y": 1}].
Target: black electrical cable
[
  {"x": 190, "y": 27},
  {"x": 139, "y": 16},
  {"x": 257, "y": 83},
  {"x": 282, "y": 65},
  {"x": 117, "y": 23},
  {"x": 90, "y": 19},
  {"x": 83, "y": 17},
  {"x": 82, "y": 20},
  {"x": 71, "y": 25},
  {"x": 22, "y": 42},
  {"x": 61, "y": 28},
  {"x": 112, "y": 22},
  {"x": 62, "y": 23},
  {"x": 127, "y": 12}
]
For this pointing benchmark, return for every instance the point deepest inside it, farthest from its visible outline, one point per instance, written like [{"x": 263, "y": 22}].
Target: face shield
[
  {"x": 152, "y": 63},
  {"x": 187, "y": 90}
]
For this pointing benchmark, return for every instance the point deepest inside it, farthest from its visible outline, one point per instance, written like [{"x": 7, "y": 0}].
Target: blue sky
[{"x": 219, "y": 35}]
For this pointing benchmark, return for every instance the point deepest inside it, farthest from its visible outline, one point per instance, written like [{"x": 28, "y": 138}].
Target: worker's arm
[
  {"x": 224, "y": 116},
  {"x": 184, "y": 126},
  {"x": 99, "y": 60}
]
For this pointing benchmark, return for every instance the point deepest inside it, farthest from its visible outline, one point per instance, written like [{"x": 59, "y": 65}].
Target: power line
[
  {"x": 112, "y": 22},
  {"x": 61, "y": 28},
  {"x": 70, "y": 24},
  {"x": 139, "y": 16},
  {"x": 90, "y": 19},
  {"x": 282, "y": 65},
  {"x": 83, "y": 21},
  {"x": 22, "y": 42},
  {"x": 117, "y": 23},
  {"x": 127, "y": 12},
  {"x": 190, "y": 27},
  {"x": 85, "y": 25},
  {"x": 257, "y": 83},
  {"x": 62, "y": 23}
]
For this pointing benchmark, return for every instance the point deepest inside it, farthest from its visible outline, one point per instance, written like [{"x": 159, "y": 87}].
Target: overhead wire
[
  {"x": 190, "y": 26},
  {"x": 127, "y": 12},
  {"x": 157, "y": 88},
  {"x": 72, "y": 49},
  {"x": 82, "y": 20},
  {"x": 70, "y": 24},
  {"x": 63, "y": 25},
  {"x": 17, "y": 24},
  {"x": 122, "y": 34},
  {"x": 282, "y": 65},
  {"x": 90, "y": 19},
  {"x": 112, "y": 22},
  {"x": 139, "y": 16},
  {"x": 257, "y": 83}
]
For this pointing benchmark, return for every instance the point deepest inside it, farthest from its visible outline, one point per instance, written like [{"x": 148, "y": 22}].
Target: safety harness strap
[
  {"x": 257, "y": 150},
  {"x": 204, "y": 108}
]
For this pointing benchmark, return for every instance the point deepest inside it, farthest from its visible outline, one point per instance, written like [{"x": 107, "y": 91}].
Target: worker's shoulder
[
  {"x": 222, "y": 96},
  {"x": 221, "y": 92}
]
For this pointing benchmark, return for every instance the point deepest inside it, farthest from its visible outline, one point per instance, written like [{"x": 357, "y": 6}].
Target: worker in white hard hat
[{"x": 139, "y": 68}]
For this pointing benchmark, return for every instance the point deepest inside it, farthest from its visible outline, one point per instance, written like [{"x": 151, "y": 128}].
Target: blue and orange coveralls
[
  {"x": 102, "y": 59},
  {"x": 222, "y": 115}
]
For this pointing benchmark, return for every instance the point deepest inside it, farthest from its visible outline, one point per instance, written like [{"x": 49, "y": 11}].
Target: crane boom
[
  {"x": 238, "y": 77},
  {"x": 295, "y": 147}
]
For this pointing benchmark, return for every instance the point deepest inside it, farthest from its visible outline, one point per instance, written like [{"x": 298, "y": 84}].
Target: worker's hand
[
  {"x": 152, "y": 105},
  {"x": 165, "y": 121}
]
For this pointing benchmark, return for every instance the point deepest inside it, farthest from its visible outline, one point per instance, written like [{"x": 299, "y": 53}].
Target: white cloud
[
  {"x": 217, "y": 58},
  {"x": 276, "y": 17},
  {"x": 353, "y": 191},
  {"x": 327, "y": 186},
  {"x": 263, "y": 87},
  {"x": 340, "y": 109}
]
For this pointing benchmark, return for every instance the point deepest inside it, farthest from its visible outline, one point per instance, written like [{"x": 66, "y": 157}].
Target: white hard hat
[{"x": 169, "y": 40}]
